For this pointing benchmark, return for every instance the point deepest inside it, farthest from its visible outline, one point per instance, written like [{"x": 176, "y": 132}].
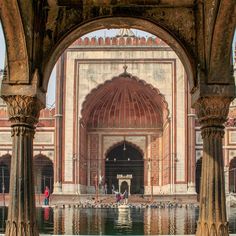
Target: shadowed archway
[
  {"x": 5, "y": 165},
  {"x": 43, "y": 173},
  {"x": 198, "y": 175},
  {"x": 125, "y": 159},
  {"x": 232, "y": 175}
]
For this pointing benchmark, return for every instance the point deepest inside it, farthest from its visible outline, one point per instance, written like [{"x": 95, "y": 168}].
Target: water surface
[{"x": 148, "y": 221}]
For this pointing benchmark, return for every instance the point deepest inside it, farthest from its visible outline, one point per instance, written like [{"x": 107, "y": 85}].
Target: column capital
[
  {"x": 212, "y": 111},
  {"x": 23, "y": 109}
]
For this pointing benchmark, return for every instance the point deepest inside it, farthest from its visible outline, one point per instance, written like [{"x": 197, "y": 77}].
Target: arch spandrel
[{"x": 184, "y": 52}]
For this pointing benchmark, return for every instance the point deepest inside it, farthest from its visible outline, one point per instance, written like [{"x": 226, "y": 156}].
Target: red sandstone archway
[{"x": 125, "y": 104}]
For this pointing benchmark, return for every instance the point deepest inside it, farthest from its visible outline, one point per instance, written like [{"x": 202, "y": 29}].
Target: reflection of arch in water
[
  {"x": 124, "y": 220},
  {"x": 5, "y": 167},
  {"x": 232, "y": 175},
  {"x": 43, "y": 167},
  {"x": 198, "y": 175}
]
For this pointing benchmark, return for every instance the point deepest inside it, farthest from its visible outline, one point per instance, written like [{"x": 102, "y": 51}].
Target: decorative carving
[
  {"x": 23, "y": 109},
  {"x": 212, "y": 111},
  {"x": 21, "y": 229},
  {"x": 214, "y": 229},
  {"x": 185, "y": 18},
  {"x": 212, "y": 131},
  {"x": 22, "y": 130}
]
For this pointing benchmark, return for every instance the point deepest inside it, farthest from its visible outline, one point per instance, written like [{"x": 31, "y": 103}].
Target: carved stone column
[
  {"x": 212, "y": 113},
  {"x": 23, "y": 114}
]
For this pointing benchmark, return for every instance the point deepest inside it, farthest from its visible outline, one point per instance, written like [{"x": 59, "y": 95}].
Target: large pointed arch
[{"x": 125, "y": 102}]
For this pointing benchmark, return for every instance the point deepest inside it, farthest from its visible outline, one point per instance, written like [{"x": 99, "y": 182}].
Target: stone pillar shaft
[
  {"x": 59, "y": 126},
  {"x": 23, "y": 114},
  {"x": 21, "y": 213},
  {"x": 212, "y": 113},
  {"x": 212, "y": 201}
]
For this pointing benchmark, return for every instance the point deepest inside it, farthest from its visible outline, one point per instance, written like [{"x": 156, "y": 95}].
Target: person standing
[
  {"x": 125, "y": 196},
  {"x": 46, "y": 196},
  {"x": 105, "y": 188},
  {"x": 112, "y": 188}
]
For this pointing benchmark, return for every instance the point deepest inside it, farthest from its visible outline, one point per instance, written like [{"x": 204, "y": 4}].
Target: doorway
[{"x": 125, "y": 159}]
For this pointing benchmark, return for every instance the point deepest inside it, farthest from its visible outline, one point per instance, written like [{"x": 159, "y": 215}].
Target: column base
[
  {"x": 21, "y": 228},
  {"x": 215, "y": 228},
  {"x": 57, "y": 188}
]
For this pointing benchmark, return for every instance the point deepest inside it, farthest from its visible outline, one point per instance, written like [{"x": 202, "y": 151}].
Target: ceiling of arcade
[
  {"x": 200, "y": 32},
  {"x": 125, "y": 102}
]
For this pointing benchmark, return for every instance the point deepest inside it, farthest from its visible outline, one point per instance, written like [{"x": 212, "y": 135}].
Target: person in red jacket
[{"x": 46, "y": 196}]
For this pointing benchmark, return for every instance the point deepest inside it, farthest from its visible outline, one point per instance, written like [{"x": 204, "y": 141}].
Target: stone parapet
[{"x": 120, "y": 41}]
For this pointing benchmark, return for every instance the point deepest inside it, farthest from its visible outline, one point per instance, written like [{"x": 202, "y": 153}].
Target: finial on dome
[
  {"x": 125, "y": 69},
  {"x": 125, "y": 73}
]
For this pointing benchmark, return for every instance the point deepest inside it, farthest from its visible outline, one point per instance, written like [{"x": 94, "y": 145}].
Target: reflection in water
[
  {"x": 73, "y": 221},
  {"x": 124, "y": 220}
]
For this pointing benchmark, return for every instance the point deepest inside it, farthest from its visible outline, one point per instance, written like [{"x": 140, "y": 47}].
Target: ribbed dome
[{"x": 124, "y": 102}]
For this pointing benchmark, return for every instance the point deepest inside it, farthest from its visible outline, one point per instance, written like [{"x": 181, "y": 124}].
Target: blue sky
[{"x": 51, "y": 85}]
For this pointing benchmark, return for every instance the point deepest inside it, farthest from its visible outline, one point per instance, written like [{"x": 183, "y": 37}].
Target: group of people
[{"x": 120, "y": 196}]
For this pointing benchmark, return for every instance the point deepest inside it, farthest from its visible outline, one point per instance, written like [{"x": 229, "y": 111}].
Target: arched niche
[
  {"x": 44, "y": 173},
  {"x": 124, "y": 159},
  {"x": 232, "y": 176},
  {"x": 198, "y": 175},
  {"x": 5, "y": 168}
]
